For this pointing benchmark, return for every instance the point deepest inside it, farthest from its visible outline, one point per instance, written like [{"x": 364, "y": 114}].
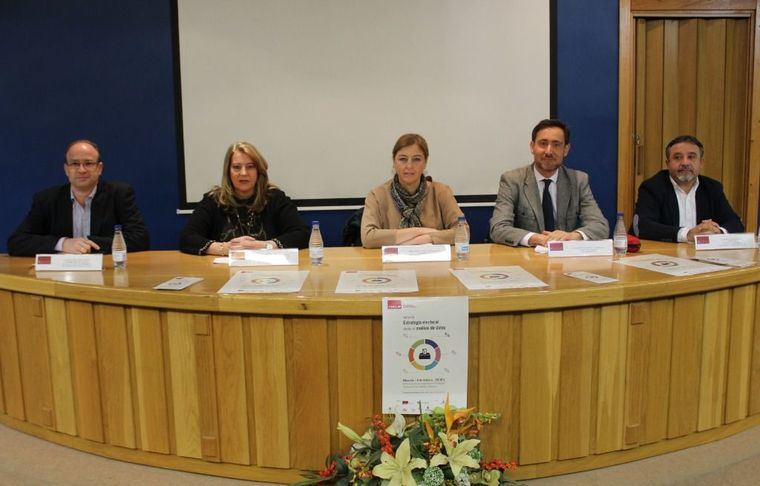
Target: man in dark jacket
[
  {"x": 678, "y": 203},
  {"x": 79, "y": 217}
]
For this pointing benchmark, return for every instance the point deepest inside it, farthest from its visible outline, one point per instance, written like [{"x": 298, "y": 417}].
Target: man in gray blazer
[{"x": 546, "y": 201}]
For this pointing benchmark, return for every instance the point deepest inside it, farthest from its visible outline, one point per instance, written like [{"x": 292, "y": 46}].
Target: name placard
[
  {"x": 573, "y": 248},
  {"x": 68, "y": 262},
  {"x": 254, "y": 258},
  {"x": 730, "y": 241},
  {"x": 416, "y": 253}
]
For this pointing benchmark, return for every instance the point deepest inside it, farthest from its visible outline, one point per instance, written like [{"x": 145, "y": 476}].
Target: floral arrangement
[{"x": 435, "y": 449}]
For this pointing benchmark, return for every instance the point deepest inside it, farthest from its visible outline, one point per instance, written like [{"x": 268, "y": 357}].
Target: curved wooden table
[{"x": 252, "y": 386}]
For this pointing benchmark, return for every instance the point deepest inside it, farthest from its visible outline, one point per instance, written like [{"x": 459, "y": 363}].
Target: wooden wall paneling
[
  {"x": 636, "y": 367},
  {"x": 9, "y": 361},
  {"x": 230, "y": 389},
  {"x": 595, "y": 378},
  {"x": 309, "y": 397},
  {"x": 168, "y": 381},
  {"x": 734, "y": 177},
  {"x": 654, "y": 420},
  {"x": 249, "y": 395},
  {"x": 207, "y": 397},
  {"x": 703, "y": 5},
  {"x": 686, "y": 61},
  {"x": 499, "y": 384},
  {"x": 332, "y": 383},
  {"x": 711, "y": 66},
  {"x": 576, "y": 358},
  {"x": 150, "y": 380},
  {"x": 354, "y": 379},
  {"x": 753, "y": 172},
  {"x": 712, "y": 383},
  {"x": 184, "y": 383},
  {"x": 473, "y": 361},
  {"x": 377, "y": 364},
  {"x": 84, "y": 360},
  {"x": 60, "y": 366},
  {"x": 653, "y": 104},
  {"x": 114, "y": 372},
  {"x": 627, "y": 126},
  {"x": 2, "y": 394},
  {"x": 754, "y": 377},
  {"x": 671, "y": 95},
  {"x": 686, "y": 359},
  {"x": 540, "y": 338},
  {"x": 31, "y": 332},
  {"x": 640, "y": 99},
  {"x": 268, "y": 369},
  {"x": 613, "y": 351},
  {"x": 740, "y": 355}
]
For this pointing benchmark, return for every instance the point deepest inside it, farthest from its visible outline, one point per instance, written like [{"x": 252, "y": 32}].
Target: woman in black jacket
[{"x": 245, "y": 212}]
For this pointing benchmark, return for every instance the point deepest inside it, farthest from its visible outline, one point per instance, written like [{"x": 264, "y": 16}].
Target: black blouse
[{"x": 279, "y": 220}]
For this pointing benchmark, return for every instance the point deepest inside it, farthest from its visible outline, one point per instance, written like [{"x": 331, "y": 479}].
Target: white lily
[
  {"x": 456, "y": 454},
  {"x": 359, "y": 442},
  {"x": 398, "y": 426},
  {"x": 398, "y": 470}
]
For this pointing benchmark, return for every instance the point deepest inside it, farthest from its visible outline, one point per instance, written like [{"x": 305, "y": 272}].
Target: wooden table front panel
[{"x": 577, "y": 385}]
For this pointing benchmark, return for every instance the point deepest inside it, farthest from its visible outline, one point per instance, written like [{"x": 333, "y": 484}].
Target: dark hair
[
  {"x": 82, "y": 140},
  {"x": 409, "y": 139},
  {"x": 551, "y": 123},
  {"x": 682, "y": 139}
]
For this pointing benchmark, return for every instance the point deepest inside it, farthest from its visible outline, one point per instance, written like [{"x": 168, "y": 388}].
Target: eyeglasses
[
  {"x": 87, "y": 164},
  {"x": 238, "y": 168}
]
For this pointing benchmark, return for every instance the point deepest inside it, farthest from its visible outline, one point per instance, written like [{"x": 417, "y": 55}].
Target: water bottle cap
[
  {"x": 315, "y": 222},
  {"x": 461, "y": 219},
  {"x": 620, "y": 213},
  {"x": 117, "y": 227}
]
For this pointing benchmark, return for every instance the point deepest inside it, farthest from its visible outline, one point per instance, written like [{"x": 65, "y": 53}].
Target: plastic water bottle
[
  {"x": 316, "y": 247},
  {"x": 620, "y": 237},
  {"x": 462, "y": 239},
  {"x": 119, "y": 248}
]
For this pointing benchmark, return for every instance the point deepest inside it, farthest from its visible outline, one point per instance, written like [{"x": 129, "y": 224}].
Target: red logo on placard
[
  {"x": 43, "y": 260},
  {"x": 703, "y": 239},
  {"x": 394, "y": 304},
  {"x": 556, "y": 246},
  {"x": 391, "y": 251}
]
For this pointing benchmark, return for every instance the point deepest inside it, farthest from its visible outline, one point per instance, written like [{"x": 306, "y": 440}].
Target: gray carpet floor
[{"x": 26, "y": 460}]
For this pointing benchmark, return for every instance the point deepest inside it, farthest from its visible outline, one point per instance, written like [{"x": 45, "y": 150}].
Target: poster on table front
[{"x": 424, "y": 353}]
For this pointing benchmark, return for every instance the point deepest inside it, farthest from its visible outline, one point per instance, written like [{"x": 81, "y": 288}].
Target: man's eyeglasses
[{"x": 87, "y": 164}]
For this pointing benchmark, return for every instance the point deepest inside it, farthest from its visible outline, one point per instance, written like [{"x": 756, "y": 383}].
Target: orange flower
[{"x": 452, "y": 417}]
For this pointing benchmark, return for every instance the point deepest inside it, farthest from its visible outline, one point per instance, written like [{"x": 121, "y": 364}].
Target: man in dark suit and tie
[
  {"x": 79, "y": 217},
  {"x": 678, "y": 203},
  {"x": 546, "y": 201}
]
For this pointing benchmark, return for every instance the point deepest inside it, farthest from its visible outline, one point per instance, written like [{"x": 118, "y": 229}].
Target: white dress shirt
[{"x": 80, "y": 218}]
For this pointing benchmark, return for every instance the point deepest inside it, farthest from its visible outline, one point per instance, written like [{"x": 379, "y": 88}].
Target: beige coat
[{"x": 381, "y": 217}]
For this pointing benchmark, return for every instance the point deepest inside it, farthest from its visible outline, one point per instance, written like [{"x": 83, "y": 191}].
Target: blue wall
[{"x": 104, "y": 70}]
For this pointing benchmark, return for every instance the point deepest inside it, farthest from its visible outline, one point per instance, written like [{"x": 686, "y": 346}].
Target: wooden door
[
  {"x": 692, "y": 78},
  {"x": 689, "y": 70}
]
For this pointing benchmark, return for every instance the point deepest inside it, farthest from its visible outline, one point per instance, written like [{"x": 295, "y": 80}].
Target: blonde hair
[{"x": 225, "y": 193}]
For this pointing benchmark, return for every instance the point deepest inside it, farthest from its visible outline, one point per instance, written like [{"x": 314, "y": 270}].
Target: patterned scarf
[{"x": 409, "y": 205}]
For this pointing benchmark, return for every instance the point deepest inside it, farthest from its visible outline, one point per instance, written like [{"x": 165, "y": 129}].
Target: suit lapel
[
  {"x": 564, "y": 190},
  {"x": 64, "y": 211},
  {"x": 530, "y": 188},
  {"x": 702, "y": 203},
  {"x": 671, "y": 203},
  {"x": 97, "y": 216}
]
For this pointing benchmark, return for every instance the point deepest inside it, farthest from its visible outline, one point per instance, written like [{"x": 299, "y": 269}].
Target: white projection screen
[{"x": 323, "y": 88}]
